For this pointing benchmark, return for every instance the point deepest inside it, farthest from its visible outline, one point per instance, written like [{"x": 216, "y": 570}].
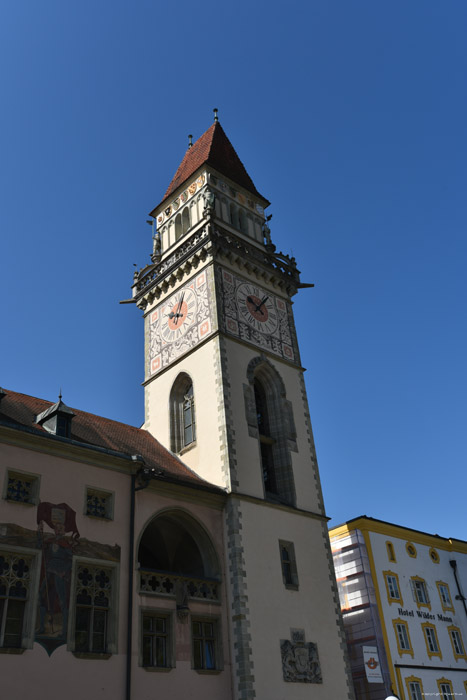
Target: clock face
[
  {"x": 178, "y": 315},
  {"x": 256, "y": 307}
]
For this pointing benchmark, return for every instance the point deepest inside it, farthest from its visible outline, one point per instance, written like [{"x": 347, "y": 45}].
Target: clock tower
[{"x": 224, "y": 390}]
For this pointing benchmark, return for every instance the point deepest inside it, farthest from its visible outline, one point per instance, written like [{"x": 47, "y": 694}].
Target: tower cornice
[{"x": 213, "y": 243}]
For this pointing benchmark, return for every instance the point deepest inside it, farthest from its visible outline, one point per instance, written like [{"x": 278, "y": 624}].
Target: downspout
[
  {"x": 459, "y": 596},
  {"x": 131, "y": 556}
]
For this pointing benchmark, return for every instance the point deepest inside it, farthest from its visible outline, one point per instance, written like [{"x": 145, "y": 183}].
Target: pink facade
[{"x": 65, "y": 524}]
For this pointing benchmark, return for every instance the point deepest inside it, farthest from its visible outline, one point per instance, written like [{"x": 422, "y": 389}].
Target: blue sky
[{"x": 349, "y": 116}]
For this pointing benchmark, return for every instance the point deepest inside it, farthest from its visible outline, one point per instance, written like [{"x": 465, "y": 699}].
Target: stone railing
[{"x": 160, "y": 583}]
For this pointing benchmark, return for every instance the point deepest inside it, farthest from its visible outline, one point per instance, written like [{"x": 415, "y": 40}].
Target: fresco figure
[{"x": 57, "y": 560}]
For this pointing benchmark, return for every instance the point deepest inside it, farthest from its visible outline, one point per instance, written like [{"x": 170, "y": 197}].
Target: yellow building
[{"x": 402, "y": 595}]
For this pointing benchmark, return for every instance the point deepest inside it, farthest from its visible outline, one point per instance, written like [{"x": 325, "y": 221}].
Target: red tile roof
[
  {"x": 215, "y": 149},
  {"x": 21, "y": 410}
]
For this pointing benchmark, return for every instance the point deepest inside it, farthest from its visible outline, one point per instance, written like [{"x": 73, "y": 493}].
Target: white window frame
[
  {"x": 420, "y": 592},
  {"x": 443, "y": 589},
  {"x": 391, "y": 578},
  {"x": 457, "y": 642},
  {"x": 414, "y": 688},
  {"x": 431, "y": 640},
  {"x": 401, "y": 631}
]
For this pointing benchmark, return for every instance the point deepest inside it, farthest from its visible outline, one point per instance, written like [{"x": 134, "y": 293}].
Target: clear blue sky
[{"x": 350, "y": 116}]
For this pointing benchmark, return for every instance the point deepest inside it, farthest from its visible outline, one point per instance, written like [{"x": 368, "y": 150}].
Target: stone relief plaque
[{"x": 300, "y": 662}]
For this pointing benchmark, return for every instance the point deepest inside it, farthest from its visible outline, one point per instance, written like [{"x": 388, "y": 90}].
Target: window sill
[
  {"x": 12, "y": 650},
  {"x": 104, "y": 518},
  {"x": 187, "y": 448},
  {"x": 21, "y": 503},
  {"x": 291, "y": 586},
  {"x": 157, "y": 669},
  {"x": 208, "y": 671},
  {"x": 91, "y": 655}
]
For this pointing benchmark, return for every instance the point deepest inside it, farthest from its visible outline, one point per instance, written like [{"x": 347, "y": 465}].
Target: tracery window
[
  {"x": 15, "y": 580},
  {"x": 93, "y": 608}
]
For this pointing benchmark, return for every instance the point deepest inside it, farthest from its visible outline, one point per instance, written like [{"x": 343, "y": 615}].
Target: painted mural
[
  {"x": 58, "y": 542},
  {"x": 55, "y": 577}
]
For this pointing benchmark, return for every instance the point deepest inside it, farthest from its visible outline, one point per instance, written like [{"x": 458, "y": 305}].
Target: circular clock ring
[
  {"x": 178, "y": 315},
  {"x": 257, "y": 308}
]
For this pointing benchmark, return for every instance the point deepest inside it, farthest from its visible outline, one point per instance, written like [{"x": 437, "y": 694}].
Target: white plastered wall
[{"x": 274, "y": 609}]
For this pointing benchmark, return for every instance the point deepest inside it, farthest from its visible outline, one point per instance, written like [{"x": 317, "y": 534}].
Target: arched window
[
  {"x": 270, "y": 420},
  {"x": 234, "y": 215},
  {"x": 185, "y": 220},
  {"x": 182, "y": 413},
  {"x": 178, "y": 226},
  {"x": 242, "y": 222},
  {"x": 266, "y": 441},
  {"x": 176, "y": 559}
]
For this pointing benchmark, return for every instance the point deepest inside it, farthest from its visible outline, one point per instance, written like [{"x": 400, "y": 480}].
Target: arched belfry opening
[{"x": 177, "y": 557}]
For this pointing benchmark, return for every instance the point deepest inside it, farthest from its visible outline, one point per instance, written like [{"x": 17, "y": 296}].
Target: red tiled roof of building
[
  {"x": 89, "y": 429},
  {"x": 215, "y": 149}
]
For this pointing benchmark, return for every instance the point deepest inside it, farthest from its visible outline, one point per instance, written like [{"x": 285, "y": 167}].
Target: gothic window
[
  {"x": 182, "y": 414},
  {"x": 270, "y": 420},
  {"x": 15, "y": 590},
  {"x": 94, "y": 614},
  {"x": 265, "y": 440},
  {"x": 185, "y": 220}
]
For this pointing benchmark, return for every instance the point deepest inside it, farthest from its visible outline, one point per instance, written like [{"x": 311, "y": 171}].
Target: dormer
[{"x": 57, "y": 419}]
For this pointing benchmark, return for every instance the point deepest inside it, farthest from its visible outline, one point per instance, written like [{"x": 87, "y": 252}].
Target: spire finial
[
  {"x": 60, "y": 394},
  {"x": 215, "y": 110},
  {"x": 190, "y": 140}
]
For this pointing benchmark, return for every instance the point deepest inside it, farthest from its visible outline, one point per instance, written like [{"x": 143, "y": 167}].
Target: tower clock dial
[
  {"x": 256, "y": 307},
  {"x": 178, "y": 314}
]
